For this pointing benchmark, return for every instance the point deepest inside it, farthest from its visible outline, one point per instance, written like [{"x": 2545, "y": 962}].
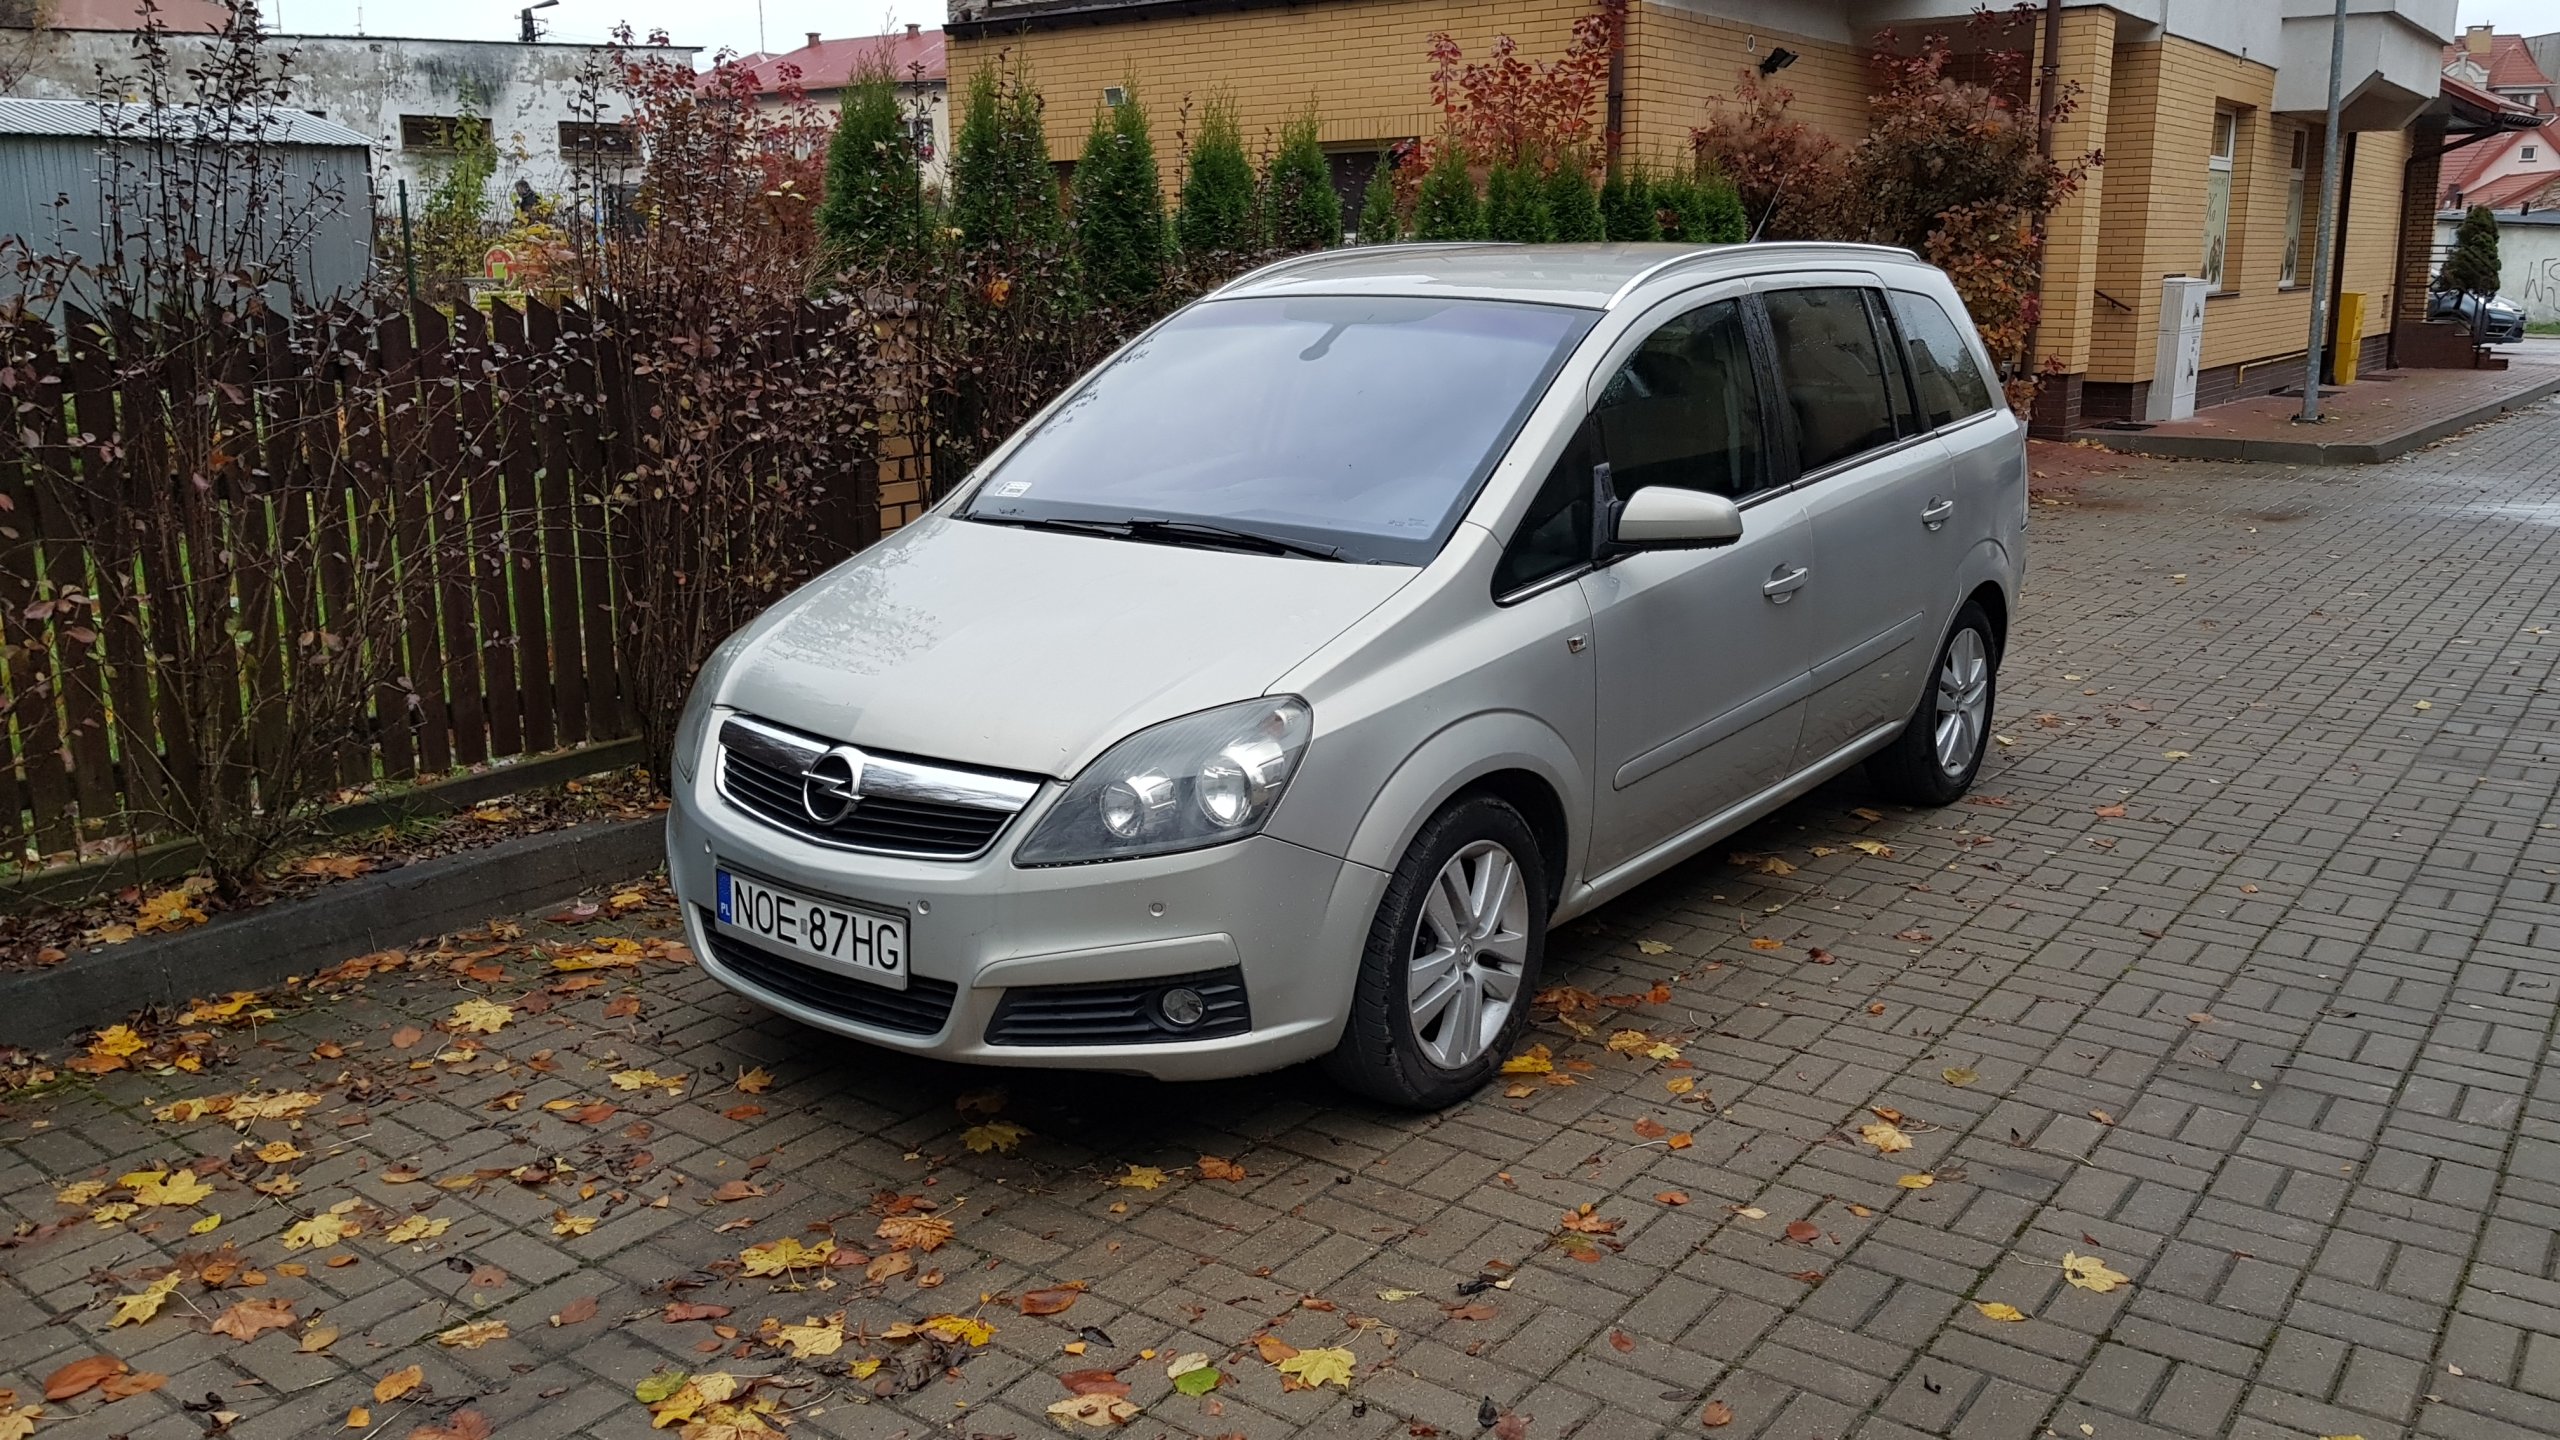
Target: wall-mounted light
[{"x": 1778, "y": 58}]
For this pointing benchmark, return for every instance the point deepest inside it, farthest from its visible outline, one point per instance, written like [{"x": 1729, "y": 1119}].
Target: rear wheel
[
  {"x": 1934, "y": 759},
  {"x": 1452, "y": 959}
]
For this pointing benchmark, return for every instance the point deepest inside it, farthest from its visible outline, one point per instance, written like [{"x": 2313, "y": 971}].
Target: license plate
[{"x": 844, "y": 939}]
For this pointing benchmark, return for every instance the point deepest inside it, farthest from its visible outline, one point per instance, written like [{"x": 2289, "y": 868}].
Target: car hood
[{"x": 1033, "y": 651}]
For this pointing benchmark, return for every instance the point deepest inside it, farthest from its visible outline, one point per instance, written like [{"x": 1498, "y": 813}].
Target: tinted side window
[
  {"x": 1555, "y": 535},
  {"x": 1685, "y": 408},
  {"x": 1834, "y": 372},
  {"x": 1951, "y": 384}
]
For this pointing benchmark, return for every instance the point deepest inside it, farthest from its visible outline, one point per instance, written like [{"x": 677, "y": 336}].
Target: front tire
[
  {"x": 1934, "y": 759},
  {"x": 1452, "y": 960}
]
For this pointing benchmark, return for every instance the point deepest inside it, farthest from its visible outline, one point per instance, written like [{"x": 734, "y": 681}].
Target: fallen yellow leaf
[
  {"x": 1886, "y": 1138},
  {"x": 481, "y": 1016},
  {"x": 2091, "y": 1273},
  {"x": 1999, "y": 1310}
]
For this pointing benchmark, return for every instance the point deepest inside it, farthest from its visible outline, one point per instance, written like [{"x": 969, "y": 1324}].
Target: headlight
[
  {"x": 693, "y": 726},
  {"x": 1200, "y": 780}
]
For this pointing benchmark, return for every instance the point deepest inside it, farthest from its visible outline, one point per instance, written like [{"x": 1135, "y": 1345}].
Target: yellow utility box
[{"x": 2346, "y": 337}]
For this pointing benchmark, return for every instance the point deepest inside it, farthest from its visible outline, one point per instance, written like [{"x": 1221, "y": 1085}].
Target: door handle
[
  {"x": 1936, "y": 515},
  {"x": 1784, "y": 582}
]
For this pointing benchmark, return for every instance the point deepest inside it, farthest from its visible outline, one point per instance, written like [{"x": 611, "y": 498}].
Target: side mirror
[{"x": 1666, "y": 517}]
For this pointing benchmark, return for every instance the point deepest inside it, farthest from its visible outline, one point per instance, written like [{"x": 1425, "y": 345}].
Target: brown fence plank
[
  {"x": 410, "y": 481},
  {"x": 66, "y": 513},
  {"x": 32, "y": 680},
  {"x": 444, "y": 481},
  {"x": 483, "y": 533},
  {"x": 370, "y": 546},
  {"x": 546, "y": 410},
  {"x": 589, "y": 358},
  {"x": 134, "y": 731},
  {"x": 518, "y": 548}
]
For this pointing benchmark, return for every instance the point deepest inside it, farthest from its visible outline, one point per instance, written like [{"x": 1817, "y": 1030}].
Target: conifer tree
[{"x": 1119, "y": 206}]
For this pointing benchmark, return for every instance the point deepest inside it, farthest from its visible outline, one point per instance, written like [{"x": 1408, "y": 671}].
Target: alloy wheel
[
  {"x": 1469, "y": 954},
  {"x": 1964, "y": 700}
]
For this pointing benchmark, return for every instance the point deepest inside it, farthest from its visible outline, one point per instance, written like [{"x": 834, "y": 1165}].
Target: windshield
[{"x": 1362, "y": 424}]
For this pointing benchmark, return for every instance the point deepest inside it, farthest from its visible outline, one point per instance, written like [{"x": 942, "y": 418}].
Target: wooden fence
[{"x": 475, "y": 456}]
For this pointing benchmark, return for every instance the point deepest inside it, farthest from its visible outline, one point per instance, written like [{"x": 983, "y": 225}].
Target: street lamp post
[{"x": 2314, "y": 351}]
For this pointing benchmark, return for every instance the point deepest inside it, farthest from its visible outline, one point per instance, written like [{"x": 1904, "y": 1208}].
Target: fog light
[{"x": 1181, "y": 1007}]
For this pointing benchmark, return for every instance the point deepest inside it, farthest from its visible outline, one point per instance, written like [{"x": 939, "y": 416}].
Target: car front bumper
[{"x": 1283, "y": 922}]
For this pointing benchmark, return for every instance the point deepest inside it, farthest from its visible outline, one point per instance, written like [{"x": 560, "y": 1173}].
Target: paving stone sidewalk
[{"x": 2249, "y": 942}]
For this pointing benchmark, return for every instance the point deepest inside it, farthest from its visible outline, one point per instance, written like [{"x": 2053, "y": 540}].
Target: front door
[{"x": 1703, "y": 654}]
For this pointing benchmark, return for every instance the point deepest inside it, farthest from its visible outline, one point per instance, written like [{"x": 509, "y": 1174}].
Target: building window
[
  {"x": 441, "y": 132},
  {"x": 595, "y": 140},
  {"x": 2294, "y": 197},
  {"x": 2217, "y": 196},
  {"x": 2529, "y": 152}
]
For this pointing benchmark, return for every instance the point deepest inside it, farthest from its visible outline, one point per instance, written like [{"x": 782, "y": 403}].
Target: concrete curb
[
  {"x": 2312, "y": 452},
  {"x": 253, "y": 949}
]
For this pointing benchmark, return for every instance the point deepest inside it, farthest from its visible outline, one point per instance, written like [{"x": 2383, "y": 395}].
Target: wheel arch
[{"x": 1509, "y": 755}]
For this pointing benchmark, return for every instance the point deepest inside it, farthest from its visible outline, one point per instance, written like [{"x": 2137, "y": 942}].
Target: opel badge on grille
[{"x": 832, "y": 785}]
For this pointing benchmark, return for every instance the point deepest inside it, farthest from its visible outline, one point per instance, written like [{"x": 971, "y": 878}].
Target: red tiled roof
[
  {"x": 830, "y": 64},
  {"x": 2510, "y": 66},
  {"x": 2508, "y": 191}
]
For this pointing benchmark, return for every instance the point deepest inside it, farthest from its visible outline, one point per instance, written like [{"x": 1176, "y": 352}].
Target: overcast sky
[{"x": 713, "y": 24}]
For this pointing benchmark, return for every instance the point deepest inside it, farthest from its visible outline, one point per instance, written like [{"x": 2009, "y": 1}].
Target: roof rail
[
  {"x": 1287, "y": 262},
  {"x": 1708, "y": 252}
]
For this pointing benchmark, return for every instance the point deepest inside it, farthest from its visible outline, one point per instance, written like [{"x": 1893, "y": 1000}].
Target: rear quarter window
[{"x": 1950, "y": 381}]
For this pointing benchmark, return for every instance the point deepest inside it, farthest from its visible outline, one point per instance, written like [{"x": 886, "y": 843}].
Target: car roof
[{"x": 1598, "y": 277}]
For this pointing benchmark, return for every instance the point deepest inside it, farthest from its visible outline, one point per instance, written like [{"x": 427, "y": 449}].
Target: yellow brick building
[{"x": 2209, "y": 117}]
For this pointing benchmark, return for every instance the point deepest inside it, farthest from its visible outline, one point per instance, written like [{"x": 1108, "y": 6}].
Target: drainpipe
[{"x": 2048, "y": 82}]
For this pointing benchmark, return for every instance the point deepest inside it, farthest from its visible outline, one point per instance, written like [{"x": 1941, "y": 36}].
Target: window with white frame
[
  {"x": 2295, "y": 195},
  {"x": 2217, "y": 196},
  {"x": 2530, "y": 151}
]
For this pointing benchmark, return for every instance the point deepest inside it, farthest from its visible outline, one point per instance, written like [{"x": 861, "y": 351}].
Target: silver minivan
[{"x": 1270, "y": 695}]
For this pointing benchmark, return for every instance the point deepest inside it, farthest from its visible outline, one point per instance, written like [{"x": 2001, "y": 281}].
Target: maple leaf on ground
[
  {"x": 756, "y": 1081},
  {"x": 998, "y": 1136},
  {"x": 1582, "y": 1220},
  {"x": 481, "y": 1017},
  {"x": 1533, "y": 1061},
  {"x": 781, "y": 1257},
  {"x": 948, "y": 1327},
  {"x": 317, "y": 1233},
  {"x": 564, "y": 1223},
  {"x": 1313, "y": 1369},
  {"x": 647, "y": 1080},
  {"x": 137, "y": 1308},
  {"x": 247, "y": 1319},
  {"x": 416, "y": 1228},
  {"x": 1213, "y": 1167},
  {"x": 812, "y": 1339},
  {"x": 2091, "y": 1273},
  {"x": 914, "y": 1232},
  {"x": 168, "y": 910},
  {"x": 1886, "y": 1138}
]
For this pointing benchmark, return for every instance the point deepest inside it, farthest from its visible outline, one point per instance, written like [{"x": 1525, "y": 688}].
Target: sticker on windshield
[{"x": 1011, "y": 488}]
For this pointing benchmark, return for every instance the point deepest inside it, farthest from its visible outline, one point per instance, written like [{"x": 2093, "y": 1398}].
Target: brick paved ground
[{"x": 2275, "y": 1043}]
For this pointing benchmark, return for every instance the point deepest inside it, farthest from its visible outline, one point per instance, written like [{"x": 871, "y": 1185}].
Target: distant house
[
  {"x": 411, "y": 98},
  {"x": 823, "y": 68},
  {"x": 2515, "y": 169}
]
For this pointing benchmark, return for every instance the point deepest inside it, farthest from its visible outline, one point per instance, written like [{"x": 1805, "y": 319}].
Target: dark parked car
[{"x": 2505, "y": 322}]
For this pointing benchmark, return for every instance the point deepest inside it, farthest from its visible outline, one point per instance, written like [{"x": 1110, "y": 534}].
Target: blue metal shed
[{"x": 67, "y": 168}]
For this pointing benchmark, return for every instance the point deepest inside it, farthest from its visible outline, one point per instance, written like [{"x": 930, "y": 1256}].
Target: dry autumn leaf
[
  {"x": 415, "y": 1229},
  {"x": 473, "y": 1334},
  {"x": 1314, "y": 1369},
  {"x": 756, "y": 1081},
  {"x": 1140, "y": 1177},
  {"x": 914, "y": 1232},
  {"x": 131, "y": 1383},
  {"x": 1886, "y": 1138},
  {"x": 1916, "y": 1182},
  {"x": 1959, "y": 1075},
  {"x": 247, "y": 1319},
  {"x": 1803, "y": 1232},
  {"x": 781, "y": 1257},
  {"x": 137, "y": 1308},
  {"x": 1214, "y": 1167},
  {"x": 81, "y": 1376},
  {"x": 1099, "y": 1411},
  {"x": 482, "y": 1017},
  {"x": 1717, "y": 1415},
  {"x": 999, "y": 1137},
  {"x": 812, "y": 1339},
  {"x": 2091, "y": 1273},
  {"x": 1051, "y": 1301},
  {"x": 1999, "y": 1310}
]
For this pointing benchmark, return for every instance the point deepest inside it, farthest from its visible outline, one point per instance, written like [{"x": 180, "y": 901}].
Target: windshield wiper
[
  {"x": 1202, "y": 531},
  {"x": 1168, "y": 532}
]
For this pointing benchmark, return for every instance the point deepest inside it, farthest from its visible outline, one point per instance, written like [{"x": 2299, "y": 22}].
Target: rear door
[{"x": 1876, "y": 490}]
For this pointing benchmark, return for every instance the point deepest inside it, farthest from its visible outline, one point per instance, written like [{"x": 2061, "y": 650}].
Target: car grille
[
  {"x": 1117, "y": 1012},
  {"x": 907, "y": 807},
  {"x": 920, "y": 1009}
]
